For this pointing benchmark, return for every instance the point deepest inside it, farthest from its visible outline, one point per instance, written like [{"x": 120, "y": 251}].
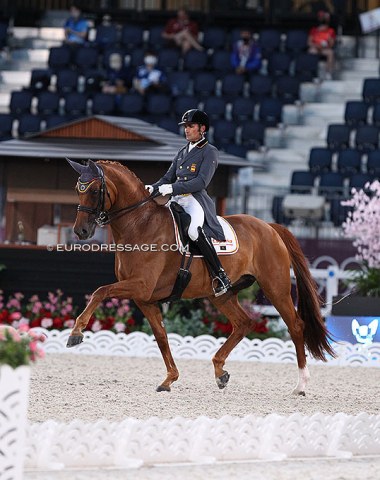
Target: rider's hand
[
  {"x": 150, "y": 188},
  {"x": 166, "y": 189}
]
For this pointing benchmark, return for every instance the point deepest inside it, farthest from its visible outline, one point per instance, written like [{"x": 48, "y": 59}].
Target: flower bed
[{"x": 186, "y": 317}]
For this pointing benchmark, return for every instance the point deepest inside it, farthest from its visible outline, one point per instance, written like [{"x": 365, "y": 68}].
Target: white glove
[
  {"x": 166, "y": 189},
  {"x": 149, "y": 188}
]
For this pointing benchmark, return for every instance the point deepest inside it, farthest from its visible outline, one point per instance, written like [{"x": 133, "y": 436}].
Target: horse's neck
[{"x": 142, "y": 224}]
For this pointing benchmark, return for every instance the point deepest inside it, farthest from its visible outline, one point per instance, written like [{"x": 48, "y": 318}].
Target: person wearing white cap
[{"x": 148, "y": 77}]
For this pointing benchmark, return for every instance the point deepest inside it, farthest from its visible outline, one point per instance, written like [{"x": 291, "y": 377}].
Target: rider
[{"x": 187, "y": 179}]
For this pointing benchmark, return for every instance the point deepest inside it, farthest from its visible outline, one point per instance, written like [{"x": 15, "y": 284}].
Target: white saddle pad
[{"x": 227, "y": 247}]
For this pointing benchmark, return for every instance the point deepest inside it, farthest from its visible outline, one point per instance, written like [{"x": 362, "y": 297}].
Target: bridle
[{"x": 104, "y": 217}]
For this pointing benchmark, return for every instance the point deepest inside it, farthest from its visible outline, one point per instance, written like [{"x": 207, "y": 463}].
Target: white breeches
[{"x": 194, "y": 209}]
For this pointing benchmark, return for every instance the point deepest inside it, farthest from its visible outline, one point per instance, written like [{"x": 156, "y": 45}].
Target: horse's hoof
[
  {"x": 302, "y": 393},
  {"x": 223, "y": 380},
  {"x": 74, "y": 340},
  {"x": 162, "y": 388}
]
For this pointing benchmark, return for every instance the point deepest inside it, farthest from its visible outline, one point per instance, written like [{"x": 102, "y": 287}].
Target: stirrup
[{"x": 219, "y": 286}]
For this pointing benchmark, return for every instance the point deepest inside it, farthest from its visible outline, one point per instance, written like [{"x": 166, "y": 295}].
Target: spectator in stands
[
  {"x": 148, "y": 78},
  {"x": 119, "y": 77},
  {"x": 322, "y": 40},
  {"x": 76, "y": 27},
  {"x": 182, "y": 31},
  {"x": 246, "y": 54}
]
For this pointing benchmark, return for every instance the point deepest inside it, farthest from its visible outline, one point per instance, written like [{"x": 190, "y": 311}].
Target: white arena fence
[{"x": 132, "y": 443}]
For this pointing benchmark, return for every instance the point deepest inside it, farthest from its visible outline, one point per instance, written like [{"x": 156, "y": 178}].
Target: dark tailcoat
[{"x": 191, "y": 172}]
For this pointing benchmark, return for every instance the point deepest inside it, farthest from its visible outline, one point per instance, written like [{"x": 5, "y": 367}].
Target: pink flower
[
  {"x": 36, "y": 307},
  {"x": 96, "y": 326},
  {"x": 33, "y": 298},
  {"x": 109, "y": 304},
  {"x": 119, "y": 327},
  {"x": 19, "y": 296},
  {"x": 23, "y": 328},
  {"x": 33, "y": 346},
  {"x": 68, "y": 309},
  {"x": 15, "y": 324},
  {"x": 46, "y": 322},
  {"x": 15, "y": 316},
  {"x": 69, "y": 323}
]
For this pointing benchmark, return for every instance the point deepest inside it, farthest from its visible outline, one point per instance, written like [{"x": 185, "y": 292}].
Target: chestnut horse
[{"x": 110, "y": 193}]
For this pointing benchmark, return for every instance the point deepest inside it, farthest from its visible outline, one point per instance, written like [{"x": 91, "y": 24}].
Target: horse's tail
[{"x": 317, "y": 338}]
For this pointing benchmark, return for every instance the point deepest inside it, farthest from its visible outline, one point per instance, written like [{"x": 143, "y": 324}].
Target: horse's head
[{"x": 92, "y": 193}]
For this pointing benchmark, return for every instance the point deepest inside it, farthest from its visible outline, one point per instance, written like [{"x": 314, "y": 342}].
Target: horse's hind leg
[
  {"x": 283, "y": 302},
  {"x": 153, "y": 314},
  {"x": 241, "y": 324}
]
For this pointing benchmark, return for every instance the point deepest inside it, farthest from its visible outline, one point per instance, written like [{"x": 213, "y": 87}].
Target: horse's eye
[{"x": 94, "y": 192}]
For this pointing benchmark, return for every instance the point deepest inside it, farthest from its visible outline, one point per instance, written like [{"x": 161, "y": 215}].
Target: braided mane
[{"x": 112, "y": 163}]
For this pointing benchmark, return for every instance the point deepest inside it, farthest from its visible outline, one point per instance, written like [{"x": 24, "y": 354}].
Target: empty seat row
[
  {"x": 359, "y": 112},
  {"x": 340, "y": 137},
  {"x": 328, "y": 184},
  {"x": 211, "y": 37},
  {"x": 348, "y": 162}
]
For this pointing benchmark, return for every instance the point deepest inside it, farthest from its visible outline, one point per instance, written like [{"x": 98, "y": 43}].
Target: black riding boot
[{"x": 220, "y": 281}]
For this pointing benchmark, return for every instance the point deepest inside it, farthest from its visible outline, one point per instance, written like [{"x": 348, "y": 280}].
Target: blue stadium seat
[
  {"x": 39, "y": 79},
  {"x": 221, "y": 63},
  {"x": 28, "y": 124},
  {"x": 155, "y": 40},
  {"x": 376, "y": 115},
  {"x": 288, "y": 89},
  {"x": 103, "y": 104},
  {"x": 67, "y": 81},
  {"x": 182, "y": 103},
  {"x": 237, "y": 150},
  {"x": 252, "y": 135},
  {"x": 331, "y": 184},
  {"x": 55, "y": 120},
  {"x": 132, "y": 36},
  {"x": 158, "y": 104},
  {"x": 48, "y": 103},
  {"x": 296, "y": 41},
  {"x": 137, "y": 57},
  {"x": 168, "y": 59},
  {"x": 6, "y": 125},
  {"x": 359, "y": 180},
  {"x": 270, "y": 111},
  {"x": 373, "y": 163},
  {"x": 269, "y": 41},
  {"x": 106, "y": 35},
  {"x": 179, "y": 83},
  {"x": 320, "y": 160},
  {"x": 131, "y": 104},
  {"x": 204, "y": 84},
  {"x": 367, "y": 138},
  {"x": 59, "y": 58},
  {"x": 170, "y": 124},
  {"x": 86, "y": 58},
  {"x": 349, "y": 162},
  {"x": 260, "y": 86},
  {"x": 232, "y": 85},
  {"x": 75, "y": 105},
  {"x": 224, "y": 132},
  {"x": 371, "y": 90},
  {"x": 214, "y": 38},
  {"x": 279, "y": 64},
  {"x": 215, "y": 107},
  {"x": 302, "y": 181},
  {"x": 306, "y": 66},
  {"x": 338, "y": 137},
  {"x": 243, "y": 109},
  {"x": 194, "y": 60},
  {"x": 356, "y": 113},
  {"x": 3, "y": 34},
  {"x": 93, "y": 80},
  {"x": 21, "y": 102},
  {"x": 338, "y": 212}
]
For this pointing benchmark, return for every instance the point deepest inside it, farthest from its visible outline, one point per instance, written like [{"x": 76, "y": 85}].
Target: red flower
[
  {"x": 57, "y": 323},
  {"x": 35, "y": 323},
  {"x": 131, "y": 322}
]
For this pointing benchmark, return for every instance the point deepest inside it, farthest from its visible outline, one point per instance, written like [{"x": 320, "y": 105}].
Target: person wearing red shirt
[
  {"x": 182, "y": 31},
  {"x": 322, "y": 40}
]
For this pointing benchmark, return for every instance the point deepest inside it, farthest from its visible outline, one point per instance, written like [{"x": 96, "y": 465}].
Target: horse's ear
[
  {"x": 78, "y": 167},
  {"x": 94, "y": 168}
]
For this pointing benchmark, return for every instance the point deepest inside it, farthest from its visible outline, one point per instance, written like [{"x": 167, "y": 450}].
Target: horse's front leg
[
  {"x": 122, "y": 289},
  {"x": 154, "y": 316}
]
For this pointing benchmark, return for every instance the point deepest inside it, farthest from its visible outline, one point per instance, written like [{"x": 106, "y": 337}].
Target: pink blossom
[
  {"x": 96, "y": 326},
  {"x": 119, "y": 326},
  {"x": 109, "y": 304},
  {"x": 41, "y": 353},
  {"x": 115, "y": 301},
  {"x": 15, "y": 316},
  {"x": 14, "y": 303},
  {"x": 69, "y": 323},
  {"x": 1, "y": 305},
  {"x": 15, "y": 324},
  {"x": 18, "y": 296},
  {"x": 39, "y": 337},
  {"x": 23, "y": 327},
  {"x": 68, "y": 308},
  {"x": 36, "y": 307},
  {"x": 46, "y": 322},
  {"x": 33, "y": 346},
  {"x": 33, "y": 299}
]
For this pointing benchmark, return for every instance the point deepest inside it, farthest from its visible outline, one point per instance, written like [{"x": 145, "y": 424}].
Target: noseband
[{"x": 102, "y": 216}]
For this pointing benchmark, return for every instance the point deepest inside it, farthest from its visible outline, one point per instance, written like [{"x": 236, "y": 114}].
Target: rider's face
[{"x": 193, "y": 132}]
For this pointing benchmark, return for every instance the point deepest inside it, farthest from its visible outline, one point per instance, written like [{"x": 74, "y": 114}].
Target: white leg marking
[{"x": 303, "y": 378}]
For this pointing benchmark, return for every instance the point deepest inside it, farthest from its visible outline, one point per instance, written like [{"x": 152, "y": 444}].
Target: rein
[{"x": 102, "y": 216}]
